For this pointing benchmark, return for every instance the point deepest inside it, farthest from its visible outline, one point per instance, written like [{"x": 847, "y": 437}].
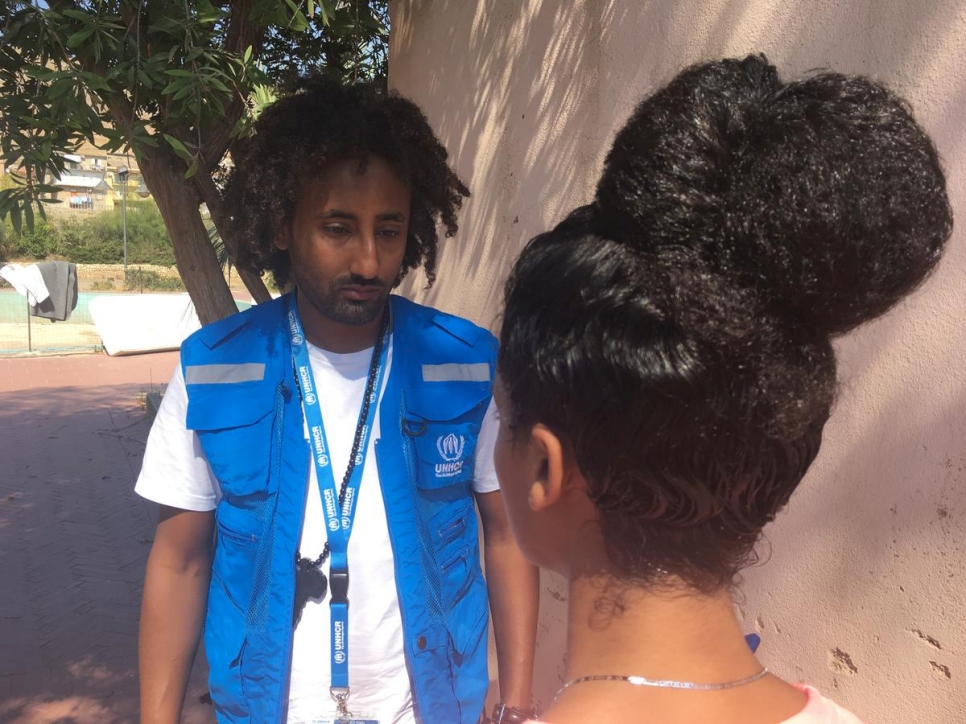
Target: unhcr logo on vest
[{"x": 450, "y": 448}]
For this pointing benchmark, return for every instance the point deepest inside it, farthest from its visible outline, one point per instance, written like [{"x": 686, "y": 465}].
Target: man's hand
[{"x": 514, "y": 590}]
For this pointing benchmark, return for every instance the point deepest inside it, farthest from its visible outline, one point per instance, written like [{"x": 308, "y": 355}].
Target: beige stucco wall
[{"x": 863, "y": 592}]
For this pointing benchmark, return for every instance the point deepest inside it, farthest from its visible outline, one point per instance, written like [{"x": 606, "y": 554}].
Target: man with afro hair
[{"x": 332, "y": 442}]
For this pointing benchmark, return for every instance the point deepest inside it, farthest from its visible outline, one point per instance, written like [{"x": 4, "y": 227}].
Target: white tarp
[{"x": 133, "y": 323}]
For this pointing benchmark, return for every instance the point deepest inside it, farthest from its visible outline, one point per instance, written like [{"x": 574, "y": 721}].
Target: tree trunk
[
  {"x": 255, "y": 285},
  {"x": 195, "y": 256}
]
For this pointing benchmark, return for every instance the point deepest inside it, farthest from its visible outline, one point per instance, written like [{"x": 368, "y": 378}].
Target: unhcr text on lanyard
[{"x": 339, "y": 507}]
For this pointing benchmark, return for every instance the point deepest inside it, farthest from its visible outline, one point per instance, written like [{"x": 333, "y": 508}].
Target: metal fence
[{"x": 21, "y": 333}]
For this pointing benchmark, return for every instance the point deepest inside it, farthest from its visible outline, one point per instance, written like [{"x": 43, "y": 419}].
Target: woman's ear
[
  {"x": 547, "y": 462},
  {"x": 284, "y": 237}
]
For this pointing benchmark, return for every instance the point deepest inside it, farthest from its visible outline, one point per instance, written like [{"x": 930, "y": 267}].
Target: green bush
[
  {"x": 82, "y": 243},
  {"x": 99, "y": 239},
  {"x": 37, "y": 243},
  {"x": 6, "y": 242},
  {"x": 140, "y": 279},
  {"x": 96, "y": 239}
]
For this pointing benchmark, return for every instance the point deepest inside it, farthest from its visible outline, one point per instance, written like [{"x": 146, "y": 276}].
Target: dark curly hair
[
  {"x": 680, "y": 339},
  {"x": 322, "y": 121}
]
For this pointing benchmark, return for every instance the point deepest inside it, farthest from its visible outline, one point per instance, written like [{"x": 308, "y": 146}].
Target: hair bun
[{"x": 822, "y": 195}]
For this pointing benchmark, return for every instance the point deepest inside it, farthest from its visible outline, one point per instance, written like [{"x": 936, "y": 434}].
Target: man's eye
[
  {"x": 337, "y": 230},
  {"x": 390, "y": 233}
]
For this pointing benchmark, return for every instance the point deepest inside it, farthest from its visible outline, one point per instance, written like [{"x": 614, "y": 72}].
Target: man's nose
[{"x": 365, "y": 261}]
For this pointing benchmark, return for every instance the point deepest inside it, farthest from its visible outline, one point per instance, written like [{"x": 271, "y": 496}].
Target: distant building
[
  {"x": 84, "y": 186},
  {"x": 91, "y": 182}
]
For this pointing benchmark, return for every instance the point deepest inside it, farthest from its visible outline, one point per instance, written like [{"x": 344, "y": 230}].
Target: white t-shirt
[{"x": 176, "y": 473}]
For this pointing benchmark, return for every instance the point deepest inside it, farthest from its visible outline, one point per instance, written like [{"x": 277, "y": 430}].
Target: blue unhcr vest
[{"x": 245, "y": 408}]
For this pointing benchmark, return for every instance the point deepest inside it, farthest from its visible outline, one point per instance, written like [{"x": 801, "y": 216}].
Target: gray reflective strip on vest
[
  {"x": 224, "y": 374},
  {"x": 453, "y": 372}
]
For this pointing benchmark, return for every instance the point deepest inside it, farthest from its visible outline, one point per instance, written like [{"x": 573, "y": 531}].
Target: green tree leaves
[
  {"x": 174, "y": 81},
  {"x": 126, "y": 74}
]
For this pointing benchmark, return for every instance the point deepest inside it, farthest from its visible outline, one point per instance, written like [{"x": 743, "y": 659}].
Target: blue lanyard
[{"x": 338, "y": 523}]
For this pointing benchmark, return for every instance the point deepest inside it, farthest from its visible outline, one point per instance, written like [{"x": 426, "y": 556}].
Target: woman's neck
[
  {"x": 677, "y": 634},
  {"x": 672, "y": 633}
]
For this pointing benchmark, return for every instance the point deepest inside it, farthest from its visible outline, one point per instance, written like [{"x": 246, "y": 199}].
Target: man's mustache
[{"x": 354, "y": 280}]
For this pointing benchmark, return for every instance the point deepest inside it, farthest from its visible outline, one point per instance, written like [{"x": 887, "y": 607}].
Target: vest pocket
[
  {"x": 467, "y": 622},
  {"x": 441, "y": 424},
  {"x": 225, "y": 684},
  {"x": 225, "y": 628},
  {"x": 236, "y": 553},
  {"x": 454, "y": 543},
  {"x": 236, "y": 427}
]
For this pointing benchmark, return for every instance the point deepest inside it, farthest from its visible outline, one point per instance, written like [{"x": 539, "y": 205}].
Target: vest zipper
[
  {"x": 459, "y": 558},
  {"x": 453, "y": 529}
]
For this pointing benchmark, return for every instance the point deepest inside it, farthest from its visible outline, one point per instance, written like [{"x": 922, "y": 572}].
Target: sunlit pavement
[{"x": 74, "y": 537}]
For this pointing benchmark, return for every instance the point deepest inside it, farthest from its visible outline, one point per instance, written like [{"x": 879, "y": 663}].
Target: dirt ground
[{"x": 47, "y": 338}]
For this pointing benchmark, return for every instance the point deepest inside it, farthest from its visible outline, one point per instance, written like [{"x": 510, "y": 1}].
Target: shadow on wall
[
  {"x": 527, "y": 96},
  {"x": 75, "y": 539},
  {"x": 860, "y": 585},
  {"x": 500, "y": 97},
  {"x": 874, "y": 505}
]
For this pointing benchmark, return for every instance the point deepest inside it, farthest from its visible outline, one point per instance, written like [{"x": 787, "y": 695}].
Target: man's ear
[{"x": 547, "y": 462}]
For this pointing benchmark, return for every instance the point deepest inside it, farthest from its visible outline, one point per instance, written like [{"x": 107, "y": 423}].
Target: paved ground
[{"x": 74, "y": 538}]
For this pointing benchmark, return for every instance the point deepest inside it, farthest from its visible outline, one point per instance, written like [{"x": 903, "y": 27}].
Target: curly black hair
[
  {"x": 681, "y": 337},
  {"x": 322, "y": 121}
]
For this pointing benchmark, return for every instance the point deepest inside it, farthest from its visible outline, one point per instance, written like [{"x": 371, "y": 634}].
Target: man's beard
[{"x": 327, "y": 299}]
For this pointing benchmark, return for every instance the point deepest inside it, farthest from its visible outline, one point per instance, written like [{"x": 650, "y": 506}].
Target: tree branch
[
  {"x": 220, "y": 216},
  {"x": 241, "y": 33},
  {"x": 120, "y": 108}
]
